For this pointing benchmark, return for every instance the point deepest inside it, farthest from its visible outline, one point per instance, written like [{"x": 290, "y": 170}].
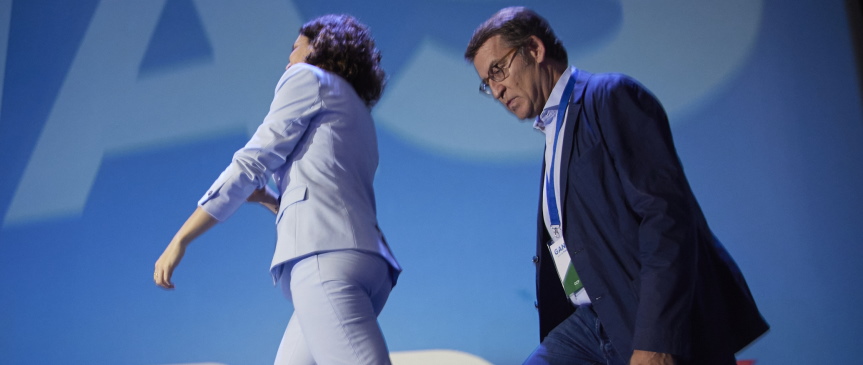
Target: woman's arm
[
  {"x": 199, "y": 222},
  {"x": 296, "y": 101}
]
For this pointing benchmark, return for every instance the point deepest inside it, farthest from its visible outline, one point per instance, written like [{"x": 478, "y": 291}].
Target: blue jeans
[{"x": 578, "y": 340}]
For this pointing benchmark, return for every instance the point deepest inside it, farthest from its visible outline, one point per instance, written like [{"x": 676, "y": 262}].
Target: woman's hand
[
  {"x": 166, "y": 264},
  {"x": 199, "y": 222},
  {"x": 266, "y": 197}
]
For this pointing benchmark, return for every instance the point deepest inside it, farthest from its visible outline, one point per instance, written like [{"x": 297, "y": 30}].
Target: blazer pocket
[{"x": 290, "y": 198}]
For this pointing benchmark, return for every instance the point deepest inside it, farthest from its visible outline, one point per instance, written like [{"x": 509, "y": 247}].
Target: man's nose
[{"x": 496, "y": 88}]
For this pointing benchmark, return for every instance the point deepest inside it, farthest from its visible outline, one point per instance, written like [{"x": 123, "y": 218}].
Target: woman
[{"x": 318, "y": 143}]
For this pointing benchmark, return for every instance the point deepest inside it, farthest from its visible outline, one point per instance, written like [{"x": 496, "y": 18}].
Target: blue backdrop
[{"x": 117, "y": 115}]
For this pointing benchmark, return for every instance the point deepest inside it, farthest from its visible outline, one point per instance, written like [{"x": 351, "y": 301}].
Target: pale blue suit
[{"x": 318, "y": 142}]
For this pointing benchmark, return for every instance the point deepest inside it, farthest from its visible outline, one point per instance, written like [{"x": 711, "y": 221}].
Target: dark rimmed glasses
[{"x": 497, "y": 72}]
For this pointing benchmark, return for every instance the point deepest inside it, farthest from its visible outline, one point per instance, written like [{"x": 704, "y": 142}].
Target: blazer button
[
  {"x": 535, "y": 259},
  {"x": 597, "y": 298}
]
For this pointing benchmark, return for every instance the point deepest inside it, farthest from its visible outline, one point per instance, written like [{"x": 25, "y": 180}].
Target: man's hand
[{"x": 640, "y": 357}]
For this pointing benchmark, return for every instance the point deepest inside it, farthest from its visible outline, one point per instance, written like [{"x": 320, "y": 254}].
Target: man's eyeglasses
[{"x": 497, "y": 72}]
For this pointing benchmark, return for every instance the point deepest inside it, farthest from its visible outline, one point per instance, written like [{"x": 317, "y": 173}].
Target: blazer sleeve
[
  {"x": 636, "y": 131},
  {"x": 297, "y": 100}
]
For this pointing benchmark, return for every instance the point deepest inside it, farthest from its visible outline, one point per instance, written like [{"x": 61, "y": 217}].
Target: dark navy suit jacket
[{"x": 657, "y": 277}]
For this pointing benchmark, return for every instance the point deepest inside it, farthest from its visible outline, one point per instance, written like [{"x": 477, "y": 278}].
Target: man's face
[{"x": 519, "y": 91}]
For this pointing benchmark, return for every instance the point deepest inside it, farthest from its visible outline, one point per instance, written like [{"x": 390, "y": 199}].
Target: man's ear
[{"x": 536, "y": 49}]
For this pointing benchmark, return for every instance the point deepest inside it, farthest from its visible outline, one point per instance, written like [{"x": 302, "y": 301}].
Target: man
[{"x": 627, "y": 268}]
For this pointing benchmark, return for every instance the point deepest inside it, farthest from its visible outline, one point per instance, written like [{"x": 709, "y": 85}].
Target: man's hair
[
  {"x": 344, "y": 46},
  {"x": 515, "y": 25}
]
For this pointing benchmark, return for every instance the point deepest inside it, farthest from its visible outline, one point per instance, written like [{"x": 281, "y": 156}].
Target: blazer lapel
[{"x": 574, "y": 109}]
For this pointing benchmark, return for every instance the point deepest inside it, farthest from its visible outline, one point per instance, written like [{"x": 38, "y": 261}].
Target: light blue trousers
[{"x": 337, "y": 297}]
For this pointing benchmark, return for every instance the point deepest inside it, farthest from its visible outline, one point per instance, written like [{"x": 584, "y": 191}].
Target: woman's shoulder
[
  {"x": 308, "y": 71},
  {"x": 302, "y": 75},
  {"x": 303, "y": 71}
]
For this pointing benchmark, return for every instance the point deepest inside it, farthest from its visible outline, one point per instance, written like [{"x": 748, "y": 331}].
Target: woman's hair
[{"x": 344, "y": 46}]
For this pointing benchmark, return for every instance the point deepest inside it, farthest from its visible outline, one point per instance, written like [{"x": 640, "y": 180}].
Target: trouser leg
[
  {"x": 293, "y": 349},
  {"x": 337, "y": 297},
  {"x": 578, "y": 340}
]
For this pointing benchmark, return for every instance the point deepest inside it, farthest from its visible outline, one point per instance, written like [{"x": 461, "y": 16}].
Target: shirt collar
[{"x": 549, "y": 112}]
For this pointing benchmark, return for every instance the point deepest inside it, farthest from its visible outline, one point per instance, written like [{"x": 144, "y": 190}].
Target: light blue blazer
[{"x": 318, "y": 142}]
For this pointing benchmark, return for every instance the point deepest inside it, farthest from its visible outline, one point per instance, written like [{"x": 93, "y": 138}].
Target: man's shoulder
[
  {"x": 609, "y": 84},
  {"x": 611, "y": 80}
]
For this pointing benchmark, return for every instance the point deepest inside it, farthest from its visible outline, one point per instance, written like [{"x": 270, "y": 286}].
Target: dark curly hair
[{"x": 344, "y": 46}]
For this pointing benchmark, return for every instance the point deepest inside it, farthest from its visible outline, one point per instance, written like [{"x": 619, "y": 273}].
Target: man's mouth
[{"x": 509, "y": 103}]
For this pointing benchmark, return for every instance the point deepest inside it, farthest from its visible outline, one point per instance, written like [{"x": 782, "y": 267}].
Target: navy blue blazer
[{"x": 657, "y": 277}]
